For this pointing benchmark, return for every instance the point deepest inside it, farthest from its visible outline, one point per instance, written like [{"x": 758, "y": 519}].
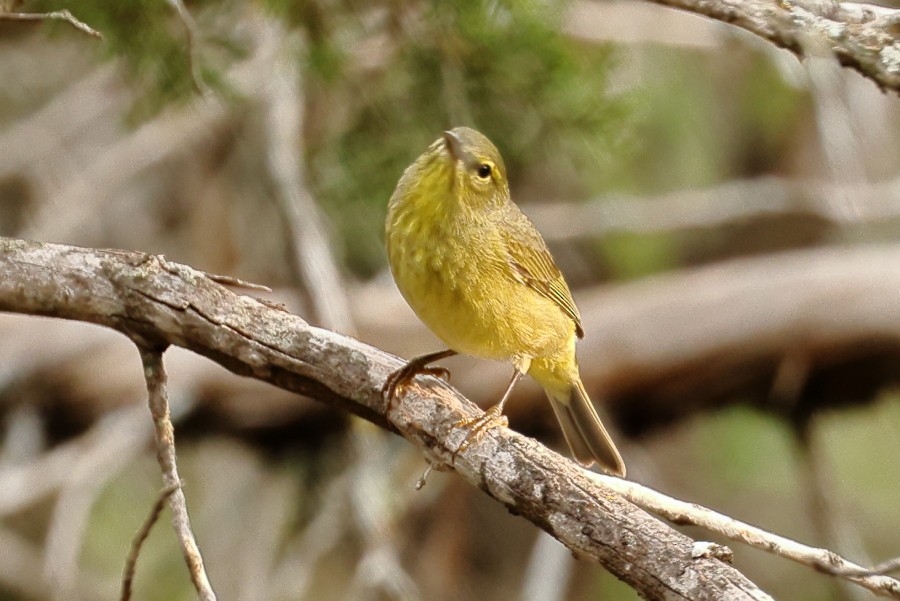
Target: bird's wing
[{"x": 534, "y": 267}]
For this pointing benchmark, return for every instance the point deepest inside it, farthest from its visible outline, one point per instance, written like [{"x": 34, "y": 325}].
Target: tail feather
[{"x": 584, "y": 431}]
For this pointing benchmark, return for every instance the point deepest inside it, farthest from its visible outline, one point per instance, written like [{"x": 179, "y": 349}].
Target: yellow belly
[{"x": 463, "y": 289}]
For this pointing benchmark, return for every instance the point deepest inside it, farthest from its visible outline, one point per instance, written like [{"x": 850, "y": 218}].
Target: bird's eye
[{"x": 484, "y": 171}]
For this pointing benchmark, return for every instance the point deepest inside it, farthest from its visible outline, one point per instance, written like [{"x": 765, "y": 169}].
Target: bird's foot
[
  {"x": 478, "y": 426},
  {"x": 400, "y": 378}
]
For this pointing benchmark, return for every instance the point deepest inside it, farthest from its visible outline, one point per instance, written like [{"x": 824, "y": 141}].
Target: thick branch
[
  {"x": 155, "y": 302},
  {"x": 861, "y": 36}
]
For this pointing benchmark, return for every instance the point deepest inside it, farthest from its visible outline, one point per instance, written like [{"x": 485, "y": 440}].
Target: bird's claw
[
  {"x": 478, "y": 426},
  {"x": 441, "y": 373},
  {"x": 400, "y": 378}
]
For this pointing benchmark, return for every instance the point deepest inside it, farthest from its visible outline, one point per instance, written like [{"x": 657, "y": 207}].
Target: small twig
[
  {"x": 886, "y": 567},
  {"x": 233, "y": 282},
  {"x": 190, "y": 29},
  {"x": 823, "y": 560},
  {"x": 140, "y": 537},
  {"x": 56, "y": 15},
  {"x": 882, "y": 569},
  {"x": 155, "y": 375}
]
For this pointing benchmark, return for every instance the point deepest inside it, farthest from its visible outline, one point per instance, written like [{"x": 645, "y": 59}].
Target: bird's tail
[{"x": 583, "y": 429}]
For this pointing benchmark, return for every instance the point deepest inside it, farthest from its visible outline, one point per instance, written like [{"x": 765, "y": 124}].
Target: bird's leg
[
  {"x": 491, "y": 418},
  {"x": 416, "y": 366}
]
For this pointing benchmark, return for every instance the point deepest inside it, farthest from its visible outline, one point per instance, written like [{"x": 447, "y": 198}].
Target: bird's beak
[{"x": 454, "y": 146}]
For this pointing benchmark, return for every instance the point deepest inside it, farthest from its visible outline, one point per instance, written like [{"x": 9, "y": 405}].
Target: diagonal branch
[
  {"x": 689, "y": 513},
  {"x": 860, "y": 36},
  {"x": 158, "y": 303},
  {"x": 138, "y": 542},
  {"x": 56, "y": 15}
]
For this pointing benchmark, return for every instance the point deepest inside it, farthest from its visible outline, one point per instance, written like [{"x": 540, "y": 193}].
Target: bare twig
[
  {"x": 155, "y": 301},
  {"x": 155, "y": 375},
  {"x": 56, "y": 15},
  {"x": 860, "y": 36},
  {"x": 138, "y": 541},
  {"x": 681, "y": 512},
  {"x": 233, "y": 282},
  {"x": 883, "y": 568},
  {"x": 190, "y": 30}
]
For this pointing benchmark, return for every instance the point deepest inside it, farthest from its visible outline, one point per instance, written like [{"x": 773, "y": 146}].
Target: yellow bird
[{"x": 478, "y": 274}]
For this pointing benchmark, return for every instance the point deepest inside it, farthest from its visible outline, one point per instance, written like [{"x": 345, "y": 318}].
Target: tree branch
[
  {"x": 158, "y": 399},
  {"x": 57, "y": 15},
  {"x": 860, "y": 36},
  {"x": 158, "y": 303},
  {"x": 823, "y": 560},
  {"x": 138, "y": 542},
  {"x": 193, "y": 52}
]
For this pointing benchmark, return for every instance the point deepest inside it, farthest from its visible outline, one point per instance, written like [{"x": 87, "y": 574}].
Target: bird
[{"x": 477, "y": 272}]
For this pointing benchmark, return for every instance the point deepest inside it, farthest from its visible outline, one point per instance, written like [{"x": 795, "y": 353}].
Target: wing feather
[{"x": 534, "y": 266}]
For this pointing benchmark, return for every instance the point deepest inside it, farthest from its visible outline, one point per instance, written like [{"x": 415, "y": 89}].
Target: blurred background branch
[{"x": 860, "y": 36}]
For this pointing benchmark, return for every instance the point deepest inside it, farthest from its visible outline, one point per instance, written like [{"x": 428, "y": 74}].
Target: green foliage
[
  {"x": 383, "y": 79},
  {"x": 151, "y": 38},
  {"x": 750, "y": 446},
  {"x": 769, "y": 110},
  {"x": 502, "y": 67},
  {"x": 633, "y": 255}
]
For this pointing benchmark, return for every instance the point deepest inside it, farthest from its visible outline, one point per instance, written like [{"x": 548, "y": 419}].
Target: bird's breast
[{"x": 457, "y": 278}]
